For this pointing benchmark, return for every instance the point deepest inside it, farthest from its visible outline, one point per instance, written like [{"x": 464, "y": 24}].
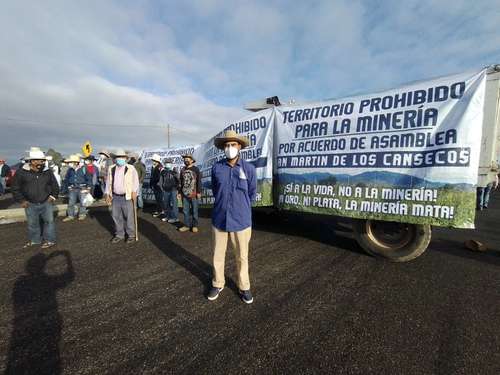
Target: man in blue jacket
[
  {"x": 234, "y": 188},
  {"x": 78, "y": 182}
]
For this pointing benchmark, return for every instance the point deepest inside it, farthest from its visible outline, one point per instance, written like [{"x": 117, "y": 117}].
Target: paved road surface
[{"x": 321, "y": 305}]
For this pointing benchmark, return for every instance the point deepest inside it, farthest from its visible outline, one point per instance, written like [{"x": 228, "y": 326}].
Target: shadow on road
[
  {"x": 325, "y": 229},
  {"x": 456, "y": 248},
  {"x": 103, "y": 216},
  {"x": 37, "y": 326},
  {"x": 192, "y": 263}
]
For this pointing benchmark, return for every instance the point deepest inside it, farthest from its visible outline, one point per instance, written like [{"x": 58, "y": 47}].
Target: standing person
[
  {"x": 483, "y": 194},
  {"x": 121, "y": 193},
  {"x": 36, "y": 189},
  {"x": 105, "y": 161},
  {"x": 4, "y": 173},
  {"x": 154, "y": 181},
  {"x": 78, "y": 182},
  {"x": 93, "y": 171},
  {"x": 135, "y": 160},
  {"x": 64, "y": 171},
  {"x": 190, "y": 191},
  {"x": 169, "y": 183},
  {"x": 234, "y": 188}
]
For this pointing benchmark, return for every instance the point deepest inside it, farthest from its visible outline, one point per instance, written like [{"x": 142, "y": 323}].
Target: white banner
[
  {"x": 258, "y": 127},
  {"x": 171, "y": 153},
  {"x": 410, "y": 154}
]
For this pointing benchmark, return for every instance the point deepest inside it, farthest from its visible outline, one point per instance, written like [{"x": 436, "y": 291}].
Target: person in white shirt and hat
[
  {"x": 154, "y": 184},
  {"x": 36, "y": 189},
  {"x": 122, "y": 185}
]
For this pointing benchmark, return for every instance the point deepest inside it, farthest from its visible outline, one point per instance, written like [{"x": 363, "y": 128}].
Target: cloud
[{"x": 68, "y": 65}]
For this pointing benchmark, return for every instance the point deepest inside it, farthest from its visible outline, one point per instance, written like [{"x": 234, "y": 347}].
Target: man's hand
[
  {"x": 24, "y": 204},
  {"x": 108, "y": 199},
  {"x": 179, "y": 196},
  {"x": 51, "y": 199},
  {"x": 198, "y": 196},
  {"x": 134, "y": 196}
]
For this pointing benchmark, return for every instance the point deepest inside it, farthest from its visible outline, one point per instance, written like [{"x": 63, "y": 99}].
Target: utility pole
[{"x": 168, "y": 135}]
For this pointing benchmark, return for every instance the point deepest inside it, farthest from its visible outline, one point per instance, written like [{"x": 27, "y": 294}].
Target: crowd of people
[{"x": 118, "y": 178}]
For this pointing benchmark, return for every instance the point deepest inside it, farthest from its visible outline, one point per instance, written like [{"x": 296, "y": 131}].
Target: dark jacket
[
  {"x": 169, "y": 180},
  {"x": 190, "y": 182},
  {"x": 34, "y": 187},
  {"x": 155, "y": 177},
  {"x": 5, "y": 171},
  {"x": 141, "y": 171}
]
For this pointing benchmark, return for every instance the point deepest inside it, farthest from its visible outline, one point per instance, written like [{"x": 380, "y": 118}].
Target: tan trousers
[{"x": 239, "y": 243}]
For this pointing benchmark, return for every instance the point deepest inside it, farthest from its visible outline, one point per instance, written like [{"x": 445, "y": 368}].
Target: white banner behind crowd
[
  {"x": 171, "y": 153},
  {"x": 410, "y": 154},
  {"x": 257, "y": 127}
]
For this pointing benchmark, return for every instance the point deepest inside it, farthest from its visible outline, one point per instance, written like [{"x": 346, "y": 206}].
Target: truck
[{"x": 272, "y": 131}]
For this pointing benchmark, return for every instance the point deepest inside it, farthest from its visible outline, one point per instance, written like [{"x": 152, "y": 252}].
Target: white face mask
[{"x": 231, "y": 152}]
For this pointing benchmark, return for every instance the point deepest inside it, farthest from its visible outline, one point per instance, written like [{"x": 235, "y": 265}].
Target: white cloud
[{"x": 193, "y": 64}]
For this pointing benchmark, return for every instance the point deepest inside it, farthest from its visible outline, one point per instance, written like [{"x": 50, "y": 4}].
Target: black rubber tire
[{"x": 414, "y": 239}]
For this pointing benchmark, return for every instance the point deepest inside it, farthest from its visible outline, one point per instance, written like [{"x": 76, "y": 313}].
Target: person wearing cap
[
  {"x": 190, "y": 192},
  {"x": 154, "y": 182},
  {"x": 4, "y": 173},
  {"x": 121, "y": 193},
  {"x": 105, "y": 161},
  {"x": 36, "y": 189},
  {"x": 78, "y": 181},
  {"x": 139, "y": 166},
  {"x": 234, "y": 188},
  {"x": 169, "y": 183}
]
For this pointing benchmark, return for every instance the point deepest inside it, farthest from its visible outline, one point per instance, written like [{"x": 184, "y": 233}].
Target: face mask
[
  {"x": 168, "y": 166},
  {"x": 231, "y": 152},
  {"x": 121, "y": 162}
]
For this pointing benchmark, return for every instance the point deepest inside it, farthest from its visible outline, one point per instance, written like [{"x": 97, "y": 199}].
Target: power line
[{"x": 102, "y": 125}]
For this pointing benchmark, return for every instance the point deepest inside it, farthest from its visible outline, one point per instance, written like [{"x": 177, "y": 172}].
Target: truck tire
[{"x": 397, "y": 242}]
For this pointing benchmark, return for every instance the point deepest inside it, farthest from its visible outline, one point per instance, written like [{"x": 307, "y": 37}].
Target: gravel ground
[{"x": 321, "y": 304}]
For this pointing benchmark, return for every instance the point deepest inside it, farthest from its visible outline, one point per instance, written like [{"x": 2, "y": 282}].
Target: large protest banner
[
  {"x": 259, "y": 128},
  {"x": 409, "y": 154},
  {"x": 175, "y": 154}
]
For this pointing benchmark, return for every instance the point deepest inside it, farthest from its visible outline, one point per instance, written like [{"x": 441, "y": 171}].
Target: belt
[{"x": 118, "y": 195}]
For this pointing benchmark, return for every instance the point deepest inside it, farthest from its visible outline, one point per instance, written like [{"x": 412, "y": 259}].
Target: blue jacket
[
  {"x": 78, "y": 178},
  {"x": 234, "y": 189}
]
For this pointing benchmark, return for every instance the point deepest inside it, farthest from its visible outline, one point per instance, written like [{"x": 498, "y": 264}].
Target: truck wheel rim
[{"x": 390, "y": 235}]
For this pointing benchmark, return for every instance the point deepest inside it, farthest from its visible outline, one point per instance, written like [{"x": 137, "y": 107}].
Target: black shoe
[
  {"x": 116, "y": 239},
  {"x": 246, "y": 296},
  {"x": 214, "y": 293},
  {"x": 130, "y": 240}
]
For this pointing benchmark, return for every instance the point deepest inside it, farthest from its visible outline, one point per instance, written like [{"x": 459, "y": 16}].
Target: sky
[{"x": 115, "y": 73}]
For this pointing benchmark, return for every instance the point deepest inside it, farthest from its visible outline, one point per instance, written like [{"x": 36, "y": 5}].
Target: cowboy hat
[
  {"x": 156, "y": 157},
  {"x": 105, "y": 153},
  {"x": 188, "y": 156},
  {"x": 120, "y": 153},
  {"x": 231, "y": 136},
  {"x": 34, "y": 153},
  {"x": 72, "y": 159}
]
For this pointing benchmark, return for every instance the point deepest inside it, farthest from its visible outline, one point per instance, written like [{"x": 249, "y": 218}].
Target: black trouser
[{"x": 159, "y": 199}]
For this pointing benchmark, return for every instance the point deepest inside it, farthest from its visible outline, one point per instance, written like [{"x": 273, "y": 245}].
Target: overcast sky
[{"x": 72, "y": 71}]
